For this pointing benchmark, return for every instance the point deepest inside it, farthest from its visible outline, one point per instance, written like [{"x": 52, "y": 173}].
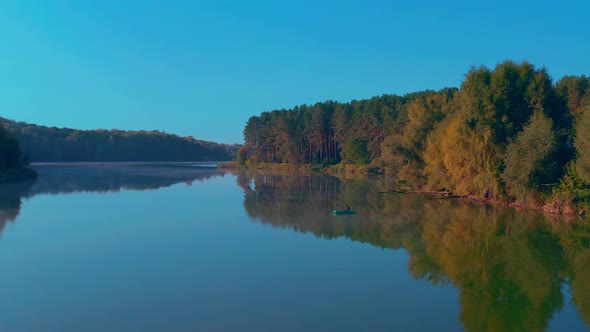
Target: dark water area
[{"x": 173, "y": 247}]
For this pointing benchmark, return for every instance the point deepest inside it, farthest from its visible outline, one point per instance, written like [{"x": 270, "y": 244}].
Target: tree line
[
  {"x": 508, "y": 133},
  {"x": 51, "y": 144}
]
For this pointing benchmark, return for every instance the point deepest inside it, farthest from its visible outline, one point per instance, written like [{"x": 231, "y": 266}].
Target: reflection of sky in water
[{"x": 186, "y": 258}]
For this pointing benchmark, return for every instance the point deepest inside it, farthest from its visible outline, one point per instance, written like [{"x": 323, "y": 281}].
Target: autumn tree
[{"x": 525, "y": 159}]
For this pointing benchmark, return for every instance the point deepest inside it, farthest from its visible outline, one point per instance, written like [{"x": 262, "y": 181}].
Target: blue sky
[{"x": 203, "y": 68}]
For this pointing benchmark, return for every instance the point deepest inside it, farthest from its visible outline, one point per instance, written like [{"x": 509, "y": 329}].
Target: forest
[
  {"x": 51, "y": 144},
  {"x": 508, "y": 134}
]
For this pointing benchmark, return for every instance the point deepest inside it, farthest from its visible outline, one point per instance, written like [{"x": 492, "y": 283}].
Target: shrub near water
[
  {"x": 12, "y": 167},
  {"x": 9, "y": 151}
]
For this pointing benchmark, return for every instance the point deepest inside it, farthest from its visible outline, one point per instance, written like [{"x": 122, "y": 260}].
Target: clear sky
[{"x": 202, "y": 68}]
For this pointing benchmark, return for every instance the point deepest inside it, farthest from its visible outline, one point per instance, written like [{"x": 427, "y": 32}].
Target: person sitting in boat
[{"x": 347, "y": 208}]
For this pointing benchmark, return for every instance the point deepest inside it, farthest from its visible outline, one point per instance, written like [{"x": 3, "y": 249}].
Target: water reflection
[
  {"x": 11, "y": 199},
  {"x": 101, "y": 178},
  {"x": 509, "y": 267},
  {"x": 114, "y": 177}
]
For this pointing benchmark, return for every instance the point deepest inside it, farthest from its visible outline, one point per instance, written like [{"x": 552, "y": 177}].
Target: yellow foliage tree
[{"x": 463, "y": 158}]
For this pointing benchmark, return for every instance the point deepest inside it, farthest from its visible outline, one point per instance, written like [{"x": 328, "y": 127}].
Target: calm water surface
[{"x": 179, "y": 248}]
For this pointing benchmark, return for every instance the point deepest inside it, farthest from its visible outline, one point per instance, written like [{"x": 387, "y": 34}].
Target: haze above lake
[{"x": 174, "y": 247}]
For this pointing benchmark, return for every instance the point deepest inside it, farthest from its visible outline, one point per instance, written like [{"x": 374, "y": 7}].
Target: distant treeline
[
  {"x": 508, "y": 133},
  {"x": 51, "y": 144}
]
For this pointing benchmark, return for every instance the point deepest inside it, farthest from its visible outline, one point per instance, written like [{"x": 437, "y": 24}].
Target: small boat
[{"x": 339, "y": 212}]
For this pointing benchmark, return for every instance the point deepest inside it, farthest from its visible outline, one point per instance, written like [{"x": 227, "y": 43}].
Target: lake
[{"x": 158, "y": 247}]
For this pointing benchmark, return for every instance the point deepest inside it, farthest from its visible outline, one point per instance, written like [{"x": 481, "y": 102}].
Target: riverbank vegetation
[
  {"x": 51, "y": 144},
  {"x": 508, "y": 134},
  {"x": 12, "y": 167}
]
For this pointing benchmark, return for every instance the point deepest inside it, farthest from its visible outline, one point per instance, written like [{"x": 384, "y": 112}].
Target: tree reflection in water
[
  {"x": 102, "y": 178},
  {"x": 509, "y": 266}
]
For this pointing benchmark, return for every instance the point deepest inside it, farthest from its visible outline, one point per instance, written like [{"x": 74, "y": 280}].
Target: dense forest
[
  {"x": 514, "y": 270},
  {"x": 509, "y": 134},
  {"x": 11, "y": 164},
  {"x": 51, "y": 144}
]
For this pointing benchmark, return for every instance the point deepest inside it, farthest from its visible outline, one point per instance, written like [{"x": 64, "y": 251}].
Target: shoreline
[{"x": 347, "y": 172}]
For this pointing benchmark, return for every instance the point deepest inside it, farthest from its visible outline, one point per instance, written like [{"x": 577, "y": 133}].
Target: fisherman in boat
[{"x": 347, "y": 208}]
